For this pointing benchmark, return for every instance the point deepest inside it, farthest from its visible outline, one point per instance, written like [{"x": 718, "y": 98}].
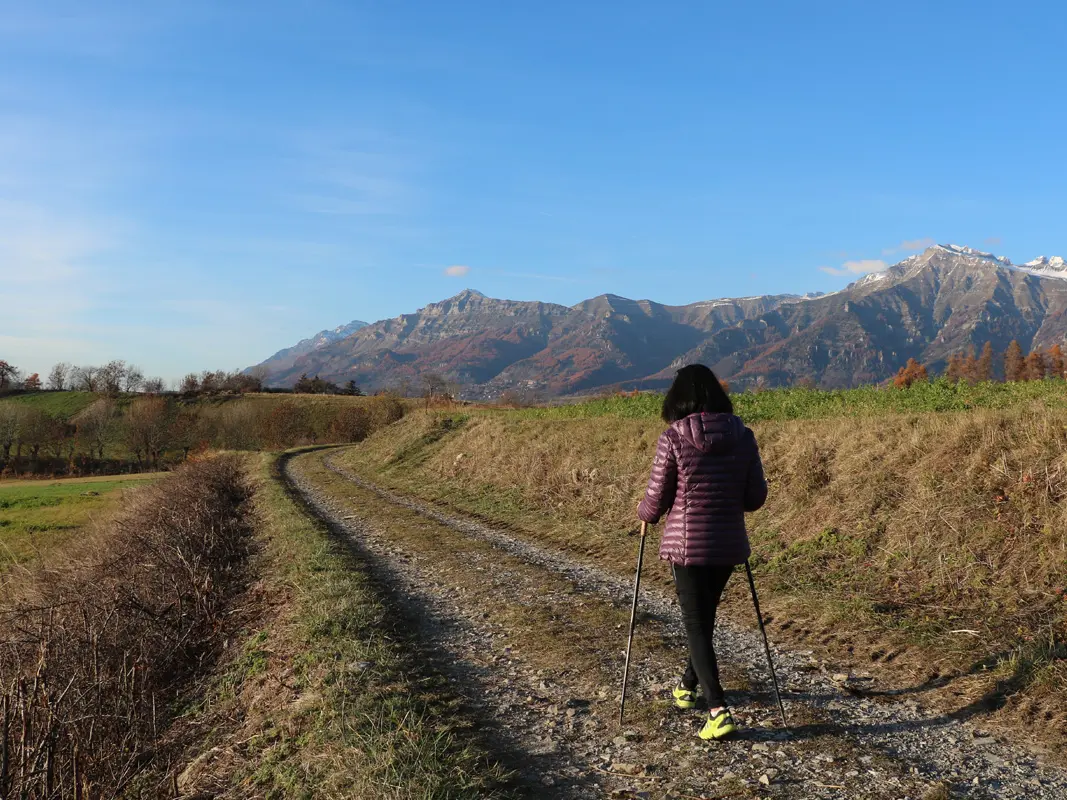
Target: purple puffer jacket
[{"x": 706, "y": 475}]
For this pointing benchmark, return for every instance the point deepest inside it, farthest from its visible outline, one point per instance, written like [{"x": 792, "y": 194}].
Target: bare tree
[
  {"x": 260, "y": 374},
  {"x": 10, "y": 422},
  {"x": 133, "y": 379},
  {"x": 146, "y": 425},
  {"x": 34, "y": 432},
  {"x": 190, "y": 385},
  {"x": 85, "y": 379},
  {"x": 434, "y": 384},
  {"x": 186, "y": 431},
  {"x": 96, "y": 426},
  {"x": 59, "y": 433},
  {"x": 212, "y": 382},
  {"x": 153, "y": 386},
  {"x": 112, "y": 375},
  {"x": 57, "y": 378},
  {"x": 8, "y": 375}
]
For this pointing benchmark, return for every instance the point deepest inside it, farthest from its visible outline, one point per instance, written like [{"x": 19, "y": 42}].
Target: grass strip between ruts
[{"x": 332, "y": 698}]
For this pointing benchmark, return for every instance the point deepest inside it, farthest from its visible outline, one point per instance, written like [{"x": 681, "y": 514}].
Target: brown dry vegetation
[
  {"x": 107, "y": 435},
  {"x": 95, "y": 651},
  {"x": 325, "y": 694},
  {"x": 933, "y": 544}
]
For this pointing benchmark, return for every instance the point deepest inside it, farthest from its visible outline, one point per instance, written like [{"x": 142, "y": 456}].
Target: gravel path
[{"x": 560, "y": 731}]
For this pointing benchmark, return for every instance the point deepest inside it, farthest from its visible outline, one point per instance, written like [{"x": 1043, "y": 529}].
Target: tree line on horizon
[
  {"x": 151, "y": 431},
  {"x": 968, "y": 367},
  {"x": 117, "y": 377}
]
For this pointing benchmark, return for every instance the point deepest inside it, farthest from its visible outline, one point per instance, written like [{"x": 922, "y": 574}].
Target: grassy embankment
[
  {"x": 38, "y": 517},
  {"x": 329, "y": 693},
  {"x": 935, "y": 541},
  {"x": 61, "y": 405},
  {"x": 784, "y": 404}
]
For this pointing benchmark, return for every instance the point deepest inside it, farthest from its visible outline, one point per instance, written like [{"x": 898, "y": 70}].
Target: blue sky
[{"x": 193, "y": 185}]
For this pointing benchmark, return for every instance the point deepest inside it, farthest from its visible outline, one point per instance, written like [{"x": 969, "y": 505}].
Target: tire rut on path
[{"x": 563, "y": 720}]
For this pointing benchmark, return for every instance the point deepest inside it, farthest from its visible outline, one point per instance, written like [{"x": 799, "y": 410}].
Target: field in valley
[{"x": 39, "y": 517}]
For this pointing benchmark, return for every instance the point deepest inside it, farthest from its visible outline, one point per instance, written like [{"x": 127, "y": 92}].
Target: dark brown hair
[{"x": 695, "y": 389}]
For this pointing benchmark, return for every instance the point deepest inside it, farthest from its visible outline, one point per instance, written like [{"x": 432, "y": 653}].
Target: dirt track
[{"x": 534, "y": 641}]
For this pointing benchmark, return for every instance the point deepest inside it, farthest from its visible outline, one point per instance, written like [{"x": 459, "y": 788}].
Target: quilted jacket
[{"x": 707, "y": 473}]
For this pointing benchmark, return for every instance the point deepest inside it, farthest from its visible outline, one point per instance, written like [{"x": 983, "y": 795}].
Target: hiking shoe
[
  {"x": 685, "y": 698},
  {"x": 718, "y": 727}
]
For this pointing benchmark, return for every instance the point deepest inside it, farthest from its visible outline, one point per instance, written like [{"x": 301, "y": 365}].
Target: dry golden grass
[{"x": 883, "y": 538}]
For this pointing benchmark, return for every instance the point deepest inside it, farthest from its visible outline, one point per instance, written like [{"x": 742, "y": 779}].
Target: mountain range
[
  {"x": 927, "y": 307},
  {"x": 283, "y": 360}
]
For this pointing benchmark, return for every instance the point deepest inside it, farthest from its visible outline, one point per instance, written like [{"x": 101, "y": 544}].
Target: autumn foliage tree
[
  {"x": 1056, "y": 365},
  {"x": 954, "y": 369},
  {"x": 1035, "y": 366},
  {"x": 984, "y": 367},
  {"x": 32, "y": 383},
  {"x": 1014, "y": 363},
  {"x": 912, "y": 372}
]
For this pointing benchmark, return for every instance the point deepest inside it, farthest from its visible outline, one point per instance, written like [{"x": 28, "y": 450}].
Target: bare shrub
[
  {"x": 94, "y": 653},
  {"x": 385, "y": 409},
  {"x": 288, "y": 424},
  {"x": 350, "y": 424}
]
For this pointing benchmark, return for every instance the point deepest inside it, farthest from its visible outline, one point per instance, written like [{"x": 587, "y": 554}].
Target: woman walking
[{"x": 706, "y": 474}]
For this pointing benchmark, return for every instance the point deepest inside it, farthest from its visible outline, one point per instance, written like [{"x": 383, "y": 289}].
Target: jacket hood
[{"x": 711, "y": 433}]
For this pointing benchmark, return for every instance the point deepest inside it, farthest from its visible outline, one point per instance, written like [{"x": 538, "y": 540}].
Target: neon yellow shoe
[
  {"x": 685, "y": 698},
  {"x": 718, "y": 727}
]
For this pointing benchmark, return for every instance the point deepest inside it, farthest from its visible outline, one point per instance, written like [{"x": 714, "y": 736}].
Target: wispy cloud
[
  {"x": 355, "y": 175},
  {"x": 909, "y": 246},
  {"x": 992, "y": 241},
  {"x": 860, "y": 267},
  {"x": 457, "y": 271}
]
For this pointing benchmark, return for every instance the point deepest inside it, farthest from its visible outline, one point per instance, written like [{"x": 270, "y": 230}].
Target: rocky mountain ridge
[
  {"x": 284, "y": 359},
  {"x": 927, "y": 307}
]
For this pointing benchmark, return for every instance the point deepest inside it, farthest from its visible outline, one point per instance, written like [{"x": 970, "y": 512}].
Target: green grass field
[
  {"x": 790, "y": 404},
  {"x": 63, "y": 405},
  {"x": 37, "y": 517}
]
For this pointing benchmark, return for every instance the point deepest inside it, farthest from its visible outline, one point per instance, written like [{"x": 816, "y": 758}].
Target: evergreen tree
[{"x": 1014, "y": 363}]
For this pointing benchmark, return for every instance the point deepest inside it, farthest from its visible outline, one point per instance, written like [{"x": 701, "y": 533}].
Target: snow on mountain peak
[
  {"x": 1044, "y": 262},
  {"x": 962, "y": 250},
  {"x": 1042, "y": 266}
]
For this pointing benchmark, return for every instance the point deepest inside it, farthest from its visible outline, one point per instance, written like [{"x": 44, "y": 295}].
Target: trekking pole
[
  {"x": 766, "y": 644},
  {"x": 633, "y": 620}
]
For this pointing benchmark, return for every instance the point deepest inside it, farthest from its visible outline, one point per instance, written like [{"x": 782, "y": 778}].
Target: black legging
[{"x": 699, "y": 591}]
